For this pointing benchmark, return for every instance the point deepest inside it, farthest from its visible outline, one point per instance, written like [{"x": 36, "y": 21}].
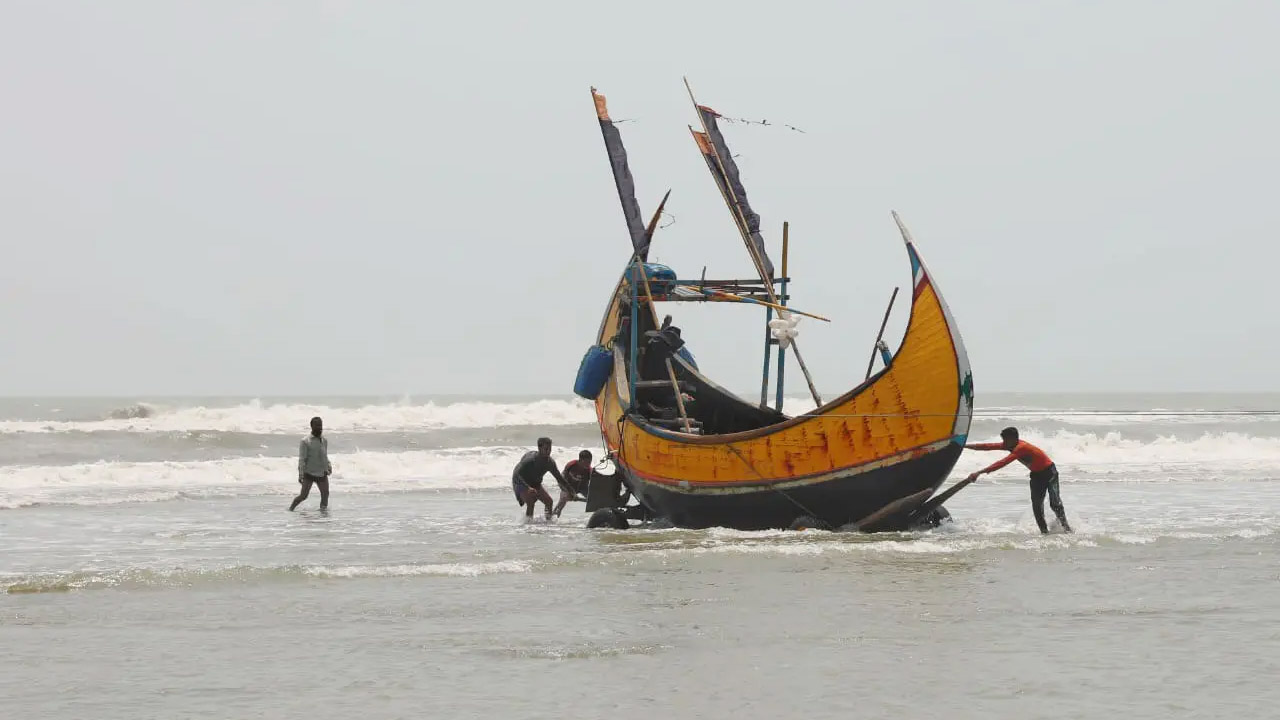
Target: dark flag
[
  {"x": 622, "y": 177},
  {"x": 725, "y": 171}
]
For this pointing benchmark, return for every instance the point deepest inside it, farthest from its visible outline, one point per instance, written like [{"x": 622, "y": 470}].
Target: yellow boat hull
[{"x": 893, "y": 439}]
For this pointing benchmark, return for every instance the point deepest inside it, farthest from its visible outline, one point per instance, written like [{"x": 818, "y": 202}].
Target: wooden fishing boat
[{"x": 691, "y": 452}]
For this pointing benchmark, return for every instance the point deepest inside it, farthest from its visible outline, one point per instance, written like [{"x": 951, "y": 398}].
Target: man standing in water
[
  {"x": 526, "y": 479},
  {"x": 1044, "y": 474},
  {"x": 313, "y": 465}
]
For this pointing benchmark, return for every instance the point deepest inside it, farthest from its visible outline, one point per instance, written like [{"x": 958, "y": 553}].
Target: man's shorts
[{"x": 519, "y": 487}]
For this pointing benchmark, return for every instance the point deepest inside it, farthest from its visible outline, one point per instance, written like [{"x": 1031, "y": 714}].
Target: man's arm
[
  {"x": 555, "y": 473},
  {"x": 328, "y": 466},
  {"x": 1000, "y": 463},
  {"x": 984, "y": 446},
  {"x": 302, "y": 460},
  {"x": 997, "y": 464}
]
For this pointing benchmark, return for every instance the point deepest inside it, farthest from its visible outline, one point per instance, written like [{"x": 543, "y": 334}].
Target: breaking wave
[
  {"x": 255, "y": 417},
  {"x": 133, "y": 412},
  {"x": 182, "y": 577},
  {"x": 361, "y": 472},
  {"x": 1109, "y": 457},
  {"x": 1209, "y": 456}
]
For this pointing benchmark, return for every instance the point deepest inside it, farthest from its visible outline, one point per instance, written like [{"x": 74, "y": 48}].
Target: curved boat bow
[{"x": 868, "y": 458}]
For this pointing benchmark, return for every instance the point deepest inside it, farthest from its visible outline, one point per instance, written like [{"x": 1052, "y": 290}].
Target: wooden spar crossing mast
[{"x": 766, "y": 280}]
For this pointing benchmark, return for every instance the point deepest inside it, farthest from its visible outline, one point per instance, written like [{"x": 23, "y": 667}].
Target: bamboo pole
[
  {"x": 675, "y": 387},
  {"x": 768, "y": 348},
  {"x": 731, "y": 200},
  {"x": 782, "y": 352},
  {"x": 786, "y": 239},
  {"x": 637, "y": 264},
  {"x": 768, "y": 339},
  {"x": 880, "y": 334},
  {"x": 713, "y": 294},
  {"x": 807, "y": 378},
  {"x": 635, "y": 340},
  {"x": 794, "y": 347},
  {"x": 741, "y": 222}
]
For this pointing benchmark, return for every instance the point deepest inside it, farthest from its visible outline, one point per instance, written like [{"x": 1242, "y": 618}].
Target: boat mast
[
  {"x": 725, "y": 172},
  {"x": 641, "y": 235},
  {"x": 769, "y": 340},
  {"x": 782, "y": 351}
]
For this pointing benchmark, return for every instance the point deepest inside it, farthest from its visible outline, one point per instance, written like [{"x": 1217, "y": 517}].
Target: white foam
[
  {"x": 1111, "y": 456},
  {"x": 445, "y": 569},
  {"x": 255, "y": 417},
  {"x": 1144, "y": 417},
  {"x": 1081, "y": 457},
  {"x": 115, "y": 482}
]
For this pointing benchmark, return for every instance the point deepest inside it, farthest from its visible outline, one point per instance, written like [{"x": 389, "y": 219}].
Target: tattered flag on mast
[
  {"x": 725, "y": 171},
  {"x": 622, "y": 178}
]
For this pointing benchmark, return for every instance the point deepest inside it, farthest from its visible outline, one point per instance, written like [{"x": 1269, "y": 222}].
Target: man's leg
[
  {"x": 565, "y": 497},
  {"x": 530, "y": 498},
  {"x": 324, "y": 493},
  {"x": 306, "y": 490},
  {"x": 1055, "y": 502},
  {"x": 1037, "y": 503},
  {"x": 545, "y": 497}
]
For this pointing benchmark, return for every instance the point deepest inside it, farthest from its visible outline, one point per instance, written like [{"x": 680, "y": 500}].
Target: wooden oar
[
  {"x": 934, "y": 502},
  {"x": 869, "y": 522}
]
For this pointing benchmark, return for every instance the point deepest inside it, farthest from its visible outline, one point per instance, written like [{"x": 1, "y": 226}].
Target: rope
[
  {"x": 784, "y": 494},
  {"x": 618, "y": 462},
  {"x": 766, "y": 123}
]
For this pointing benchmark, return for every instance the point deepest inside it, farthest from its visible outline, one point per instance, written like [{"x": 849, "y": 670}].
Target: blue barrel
[
  {"x": 593, "y": 372},
  {"x": 687, "y": 356},
  {"x": 661, "y": 278}
]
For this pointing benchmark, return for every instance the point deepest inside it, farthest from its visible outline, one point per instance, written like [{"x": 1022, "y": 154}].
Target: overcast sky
[{"x": 351, "y": 197}]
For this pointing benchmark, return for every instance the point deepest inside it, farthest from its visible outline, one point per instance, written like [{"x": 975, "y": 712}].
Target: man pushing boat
[
  {"x": 1044, "y": 474},
  {"x": 526, "y": 479},
  {"x": 577, "y": 475}
]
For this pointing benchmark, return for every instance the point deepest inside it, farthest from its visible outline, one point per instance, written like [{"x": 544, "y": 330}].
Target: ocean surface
[{"x": 150, "y": 569}]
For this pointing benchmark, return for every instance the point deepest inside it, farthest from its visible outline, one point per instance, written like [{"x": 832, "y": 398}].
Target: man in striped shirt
[{"x": 1044, "y": 474}]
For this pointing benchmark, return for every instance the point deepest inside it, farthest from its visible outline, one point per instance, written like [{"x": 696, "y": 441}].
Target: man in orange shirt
[{"x": 1044, "y": 474}]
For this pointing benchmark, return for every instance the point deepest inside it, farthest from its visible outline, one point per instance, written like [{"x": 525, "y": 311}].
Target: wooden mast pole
[
  {"x": 880, "y": 334},
  {"x": 794, "y": 347},
  {"x": 768, "y": 349},
  {"x": 637, "y": 271},
  {"x": 675, "y": 387},
  {"x": 634, "y": 350},
  {"x": 782, "y": 351},
  {"x": 731, "y": 200}
]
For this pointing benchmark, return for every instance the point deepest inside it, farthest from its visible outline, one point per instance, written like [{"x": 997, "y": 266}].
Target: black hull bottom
[{"x": 837, "y": 502}]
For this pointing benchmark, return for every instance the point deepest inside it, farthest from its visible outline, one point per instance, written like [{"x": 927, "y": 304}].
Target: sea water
[{"x": 150, "y": 568}]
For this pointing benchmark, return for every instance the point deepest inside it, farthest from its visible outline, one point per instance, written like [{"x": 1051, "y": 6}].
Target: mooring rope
[
  {"x": 1053, "y": 414},
  {"x": 797, "y": 503}
]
